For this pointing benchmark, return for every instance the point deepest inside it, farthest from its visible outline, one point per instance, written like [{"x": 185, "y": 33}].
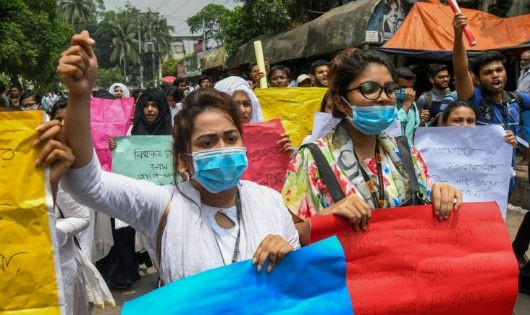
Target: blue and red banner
[{"x": 407, "y": 262}]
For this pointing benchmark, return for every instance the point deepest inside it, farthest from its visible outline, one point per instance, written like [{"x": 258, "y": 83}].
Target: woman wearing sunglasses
[{"x": 364, "y": 159}]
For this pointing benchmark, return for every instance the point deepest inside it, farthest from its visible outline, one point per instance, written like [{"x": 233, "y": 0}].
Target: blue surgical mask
[
  {"x": 400, "y": 94},
  {"x": 219, "y": 169},
  {"x": 371, "y": 120}
]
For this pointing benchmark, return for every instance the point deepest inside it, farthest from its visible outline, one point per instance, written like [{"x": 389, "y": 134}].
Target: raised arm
[
  {"x": 78, "y": 70},
  {"x": 464, "y": 81}
]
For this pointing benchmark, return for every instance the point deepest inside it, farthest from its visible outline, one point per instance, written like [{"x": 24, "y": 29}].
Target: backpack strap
[
  {"x": 406, "y": 156},
  {"x": 325, "y": 171}
]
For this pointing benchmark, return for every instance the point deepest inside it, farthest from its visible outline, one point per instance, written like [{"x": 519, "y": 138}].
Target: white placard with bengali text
[{"x": 475, "y": 159}]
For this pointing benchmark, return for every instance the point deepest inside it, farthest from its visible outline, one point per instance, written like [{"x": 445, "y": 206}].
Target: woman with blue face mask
[
  {"x": 214, "y": 218},
  {"x": 364, "y": 159}
]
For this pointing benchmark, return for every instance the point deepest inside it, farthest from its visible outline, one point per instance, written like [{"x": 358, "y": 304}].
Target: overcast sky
[{"x": 176, "y": 11}]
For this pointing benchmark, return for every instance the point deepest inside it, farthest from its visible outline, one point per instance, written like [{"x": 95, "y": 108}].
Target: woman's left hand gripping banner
[{"x": 28, "y": 278}]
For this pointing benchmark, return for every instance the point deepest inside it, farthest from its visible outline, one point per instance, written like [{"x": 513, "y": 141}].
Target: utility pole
[{"x": 140, "y": 54}]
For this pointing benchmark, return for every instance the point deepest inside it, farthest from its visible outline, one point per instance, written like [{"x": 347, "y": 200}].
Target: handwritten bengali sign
[
  {"x": 409, "y": 262},
  {"x": 28, "y": 282},
  {"x": 266, "y": 164},
  {"x": 476, "y": 159},
  {"x": 144, "y": 157},
  {"x": 294, "y": 106},
  {"x": 109, "y": 118}
]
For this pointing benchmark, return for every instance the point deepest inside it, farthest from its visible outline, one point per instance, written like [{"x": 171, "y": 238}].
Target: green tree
[
  {"x": 255, "y": 18},
  {"x": 78, "y": 13},
  {"x": 169, "y": 66},
  {"x": 32, "y": 37},
  {"x": 210, "y": 21},
  {"x": 106, "y": 77},
  {"x": 258, "y": 17},
  {"x": 124, "y": 45}
]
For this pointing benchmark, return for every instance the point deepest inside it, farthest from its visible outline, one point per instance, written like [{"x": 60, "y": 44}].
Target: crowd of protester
[{"x": 192, "y": 226}]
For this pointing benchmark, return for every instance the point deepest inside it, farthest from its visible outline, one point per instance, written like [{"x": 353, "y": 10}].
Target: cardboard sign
[
  {"x": 28, "y": 273},
  {"x": 266, "y": 164},
  {"x": 109, "y": 118}
]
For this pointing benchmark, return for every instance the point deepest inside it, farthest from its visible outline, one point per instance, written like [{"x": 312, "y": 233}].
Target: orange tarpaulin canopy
[{"x": 429, "y": 27}]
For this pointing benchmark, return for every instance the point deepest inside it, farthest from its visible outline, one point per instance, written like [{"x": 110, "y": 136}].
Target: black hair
[
  {"x": 60, "y": 103},
  {"x": 317, "y": 64},
  {"x": 29, "y": 93},
  {"x": 281, "y": 68},
  {"x": 485, "y": 58},
  {"x": 347, "y": 67},
  {"x": 405, "y": 72},
  {"x": 178, "y": 81},
  {"x": 104, "y": 93},
  {"x": 435, "y": 68},
  {"x": 453, "y": 106},
  {"x": 194, "y": 104}
]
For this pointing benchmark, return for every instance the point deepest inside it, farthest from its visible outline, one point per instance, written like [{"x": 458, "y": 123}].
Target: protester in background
[
  {"x": 364, "y": 159},
  {"x": 492, "y": 103},
  {"x": 172, "y": 95},
  {"x": 212, "y": 220},
  {"x": 432, "y": 100},
  {"x": 48, "y": 100},
  {"x": 14, "y": 94},
  {"x": 4, "y": 101},
  {"x": 319, "y": 73},
  {"x": 249, "y": 107},
  {"x": 304, "y": 80},
  {"x": 119, "y": 90},
  {"x": 523, "y": 86},
  {"x": 255, "y": 75},
  {"x": 523, "y": 83},
  {"x": 82, "y": 284},
  {"x": 204, "y": 82},
  {"x": 279, "y": 76},
  {"x": 30, "y": 100},
  {"x": 462, "y": 113},
  {"x": 182, "y": 86},
  {"x": 408, "y": 114},
  {"x": 152, "y": 116},
  {"x": 249, "y": 103}
]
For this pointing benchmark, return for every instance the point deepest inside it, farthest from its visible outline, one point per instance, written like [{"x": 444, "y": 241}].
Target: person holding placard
[
  {"x": 366, "y": 166},
  {"x": 212, "y": 220}
]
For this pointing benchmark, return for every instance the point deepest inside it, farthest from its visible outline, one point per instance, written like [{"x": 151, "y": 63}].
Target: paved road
[{"x": 149, "y": 279}]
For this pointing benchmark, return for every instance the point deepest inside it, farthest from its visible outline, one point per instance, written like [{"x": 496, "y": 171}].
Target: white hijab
[
  {"x": 231, "y": 84},
  {"x": 126, "y": 92}
]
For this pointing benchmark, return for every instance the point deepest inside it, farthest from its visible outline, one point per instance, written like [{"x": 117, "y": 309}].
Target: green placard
[{"x": 144, "y": 157}]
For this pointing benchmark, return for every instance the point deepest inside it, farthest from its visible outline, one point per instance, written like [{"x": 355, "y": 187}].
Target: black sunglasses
[{"x": 372, "y": 90}]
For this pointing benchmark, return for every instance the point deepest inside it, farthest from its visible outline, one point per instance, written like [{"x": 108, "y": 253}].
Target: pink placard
[
  {"x": 266, "y": 164},
  {"x": 409, "y": 262},
  {"x": 109, "y": 118}
]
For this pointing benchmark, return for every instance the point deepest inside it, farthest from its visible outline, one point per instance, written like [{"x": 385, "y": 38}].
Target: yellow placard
[
  {"x": 28, "y": 283},
  {"x": 295, "y": 106}
]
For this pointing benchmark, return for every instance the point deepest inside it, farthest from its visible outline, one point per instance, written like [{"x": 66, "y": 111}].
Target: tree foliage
[
  {"x": 78, "y": 13},
  {"x": 210, "y": 21},
  {"x": 106, "y": 77},
  {"x": 258, "y": 17},
  {"x": 169, "y": 66},
  {"x": 32, "y": 37}
]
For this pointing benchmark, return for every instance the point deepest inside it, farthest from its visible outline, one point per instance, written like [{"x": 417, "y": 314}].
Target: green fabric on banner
[{"x": 144, "y": 157}]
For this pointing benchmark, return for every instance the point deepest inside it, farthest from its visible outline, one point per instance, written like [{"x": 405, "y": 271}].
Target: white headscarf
[
  {"x": 231, "y": 84},
  {"x": 126, "y": 92}
]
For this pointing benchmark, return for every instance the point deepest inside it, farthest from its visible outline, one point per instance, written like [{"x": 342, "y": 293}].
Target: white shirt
[{"x": 188, "y": 241}]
